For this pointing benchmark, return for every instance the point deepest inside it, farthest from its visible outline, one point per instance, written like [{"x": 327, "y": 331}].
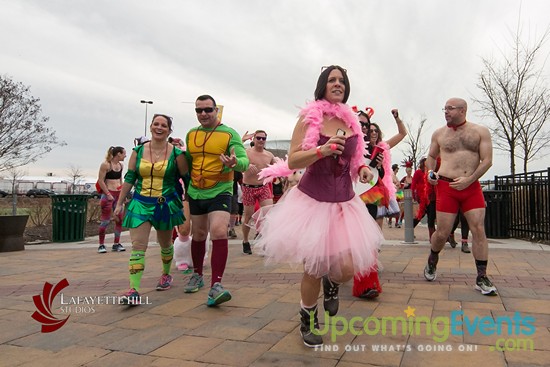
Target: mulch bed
[
  {"x": 41, "y": 207},
  {"x": 44, "y": 233}
]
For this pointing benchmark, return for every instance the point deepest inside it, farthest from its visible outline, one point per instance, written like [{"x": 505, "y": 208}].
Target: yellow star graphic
[{"x": 410, "y": 311}]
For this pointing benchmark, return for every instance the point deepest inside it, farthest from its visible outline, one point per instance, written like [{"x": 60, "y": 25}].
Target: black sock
[
  {"x": 434, "y": 257},
  {"x": 481, "y": 266}
]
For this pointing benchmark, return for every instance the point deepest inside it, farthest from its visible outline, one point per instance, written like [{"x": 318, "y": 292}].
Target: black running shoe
[{"x": 246, "y": 248}]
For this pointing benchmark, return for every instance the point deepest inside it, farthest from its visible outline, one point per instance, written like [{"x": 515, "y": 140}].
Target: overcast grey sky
[{"x": 91, "y": 62}]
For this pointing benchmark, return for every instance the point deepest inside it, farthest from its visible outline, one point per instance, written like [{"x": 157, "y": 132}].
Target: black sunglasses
[
  {"x": 364, "y": 124},
  {"x": 206, "y": 109},
  {"x": 374, "y": 131},
  {"x": 261, "y": 137}
]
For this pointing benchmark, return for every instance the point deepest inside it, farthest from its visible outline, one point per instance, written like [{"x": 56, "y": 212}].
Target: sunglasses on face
[
  {"x": 364, "y": 125},
  {"x": 206, "y": 109},
  {"x": 374, "y": 131},
  {"x": 261, "y": 137}
]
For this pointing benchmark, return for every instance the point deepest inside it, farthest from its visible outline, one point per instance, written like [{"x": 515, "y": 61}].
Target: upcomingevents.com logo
[{"x": 43, "y": 303}]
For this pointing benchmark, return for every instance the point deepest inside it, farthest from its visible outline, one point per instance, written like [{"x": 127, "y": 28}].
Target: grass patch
[{"x": 20, "y": 211}]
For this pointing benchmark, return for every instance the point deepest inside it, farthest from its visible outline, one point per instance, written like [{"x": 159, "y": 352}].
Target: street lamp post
[{"x": 146, "y": 103}]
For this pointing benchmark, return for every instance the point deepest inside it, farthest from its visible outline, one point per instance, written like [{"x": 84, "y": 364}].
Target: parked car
[
  {"x": 95, "y": 194},
  {"x": 3, "y": 194},
  {"x": 35, "y": 193}
]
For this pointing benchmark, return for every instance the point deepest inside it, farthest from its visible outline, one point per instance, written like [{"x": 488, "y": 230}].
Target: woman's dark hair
[
  {"x": 323, "y": 80},
  {"x": 380, "y": 135},
  {"x": 363, "y": 113},
  {"x": 168, "y": 118}
]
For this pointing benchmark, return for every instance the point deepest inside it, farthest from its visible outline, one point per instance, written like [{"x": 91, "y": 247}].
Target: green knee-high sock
[
  {"x": 136, "y": 265},
  {"x": 167, "y": 254}
]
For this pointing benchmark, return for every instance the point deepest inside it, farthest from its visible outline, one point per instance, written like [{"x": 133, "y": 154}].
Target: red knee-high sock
[
  {"x": 219, "y": 259},
  {"x": 198, "y": 249}
]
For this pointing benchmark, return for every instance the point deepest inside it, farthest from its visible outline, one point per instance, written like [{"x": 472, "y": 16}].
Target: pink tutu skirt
[{"x": 321, "y": 236}]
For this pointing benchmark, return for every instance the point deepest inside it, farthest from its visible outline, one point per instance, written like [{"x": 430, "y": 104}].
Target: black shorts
[{"x": 221, "y": 202}]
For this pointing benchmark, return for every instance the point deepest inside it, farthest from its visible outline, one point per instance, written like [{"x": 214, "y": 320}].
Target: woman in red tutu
[
  {"x": 321, "y": 224},
  {"x": 378, "y": 198}
]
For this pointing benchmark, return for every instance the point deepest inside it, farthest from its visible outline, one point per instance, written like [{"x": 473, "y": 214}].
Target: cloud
[{"x": 92, "y": 62}]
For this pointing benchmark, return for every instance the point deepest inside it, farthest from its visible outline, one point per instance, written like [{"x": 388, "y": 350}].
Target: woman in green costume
[{"x": 152, "y": 170}]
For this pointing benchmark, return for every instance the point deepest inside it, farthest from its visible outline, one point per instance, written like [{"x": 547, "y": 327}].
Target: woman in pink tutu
[{"x": 321, "y": 224}]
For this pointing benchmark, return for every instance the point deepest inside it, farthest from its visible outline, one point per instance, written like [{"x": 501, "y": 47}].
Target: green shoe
[
  {"x": 217, "y": 295},
  {"x": 195, "y": 283}
]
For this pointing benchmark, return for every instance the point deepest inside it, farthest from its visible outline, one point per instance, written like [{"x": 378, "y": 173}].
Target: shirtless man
[
  {"x": 253, "y": 188},
  {"x": 466, "y": 153}
]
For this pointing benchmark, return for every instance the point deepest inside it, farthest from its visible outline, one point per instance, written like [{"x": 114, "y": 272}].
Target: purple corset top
[{"x": 329, "y": 178}]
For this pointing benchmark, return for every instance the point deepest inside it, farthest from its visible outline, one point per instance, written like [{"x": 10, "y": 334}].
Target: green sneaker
[
  {"x": 217, "y": 295},
  {"x": 195, "y": 283}
]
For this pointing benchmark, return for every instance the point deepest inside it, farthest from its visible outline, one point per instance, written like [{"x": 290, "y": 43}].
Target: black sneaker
[
  {"x": 101, "y": 249},
  {"x": 117, "y": 247},
  {"x": 465, "y": 248},
  {"x": 232, "y": 234},
  {"x": 309, "y": 327},
  {"x": 485, "y": 286},
  {"x": 246, "y": 248},
  {"x": 369, "y": 294},
  {"x": 330, "y": 297},
  {"x": 429, "y": 272},
  {"x": 452, "y": 241}
]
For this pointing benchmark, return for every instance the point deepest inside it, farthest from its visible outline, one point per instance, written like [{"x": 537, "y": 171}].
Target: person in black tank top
[{"x": 110, "y": 180}]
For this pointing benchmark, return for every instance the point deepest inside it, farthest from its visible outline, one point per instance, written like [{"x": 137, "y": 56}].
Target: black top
[{"x": 112, "y": 174}]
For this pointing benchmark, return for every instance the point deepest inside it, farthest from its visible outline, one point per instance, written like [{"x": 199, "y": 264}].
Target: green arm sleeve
[{"x": 130, "y": 177}]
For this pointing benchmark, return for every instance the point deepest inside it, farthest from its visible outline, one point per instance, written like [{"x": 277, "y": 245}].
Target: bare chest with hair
[{"x": 462, "y": 140}]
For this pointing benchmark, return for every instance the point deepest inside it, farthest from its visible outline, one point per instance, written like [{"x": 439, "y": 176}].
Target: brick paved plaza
[{"x": 259, "y": 326}]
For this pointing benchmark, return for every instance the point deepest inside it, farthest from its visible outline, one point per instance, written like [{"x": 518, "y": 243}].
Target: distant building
[{"x": 279, "y": 148}]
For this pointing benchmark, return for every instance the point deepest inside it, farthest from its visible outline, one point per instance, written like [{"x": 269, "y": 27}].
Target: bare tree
[
  {"x": 515, "y": 95},
  {"x": 24, "y": 136},
  {"x": 15, "y": 176},
  {"x": 416, "y": 148},
  {"x": 76, "y": 174}
]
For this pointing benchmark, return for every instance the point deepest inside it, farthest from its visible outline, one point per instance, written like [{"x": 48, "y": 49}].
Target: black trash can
[
  {"x": 498, "y": 213},
  {"x": 69, "y": 217}
]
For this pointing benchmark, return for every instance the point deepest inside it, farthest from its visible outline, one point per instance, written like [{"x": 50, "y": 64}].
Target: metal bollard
[{"x": 408, "y": 209}]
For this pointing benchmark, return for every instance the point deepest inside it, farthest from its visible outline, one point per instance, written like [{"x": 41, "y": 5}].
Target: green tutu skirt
[{"x": 163, "y": 214}]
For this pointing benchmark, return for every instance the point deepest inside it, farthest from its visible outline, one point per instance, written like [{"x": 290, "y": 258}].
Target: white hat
[{"x": 141, "y": 140}]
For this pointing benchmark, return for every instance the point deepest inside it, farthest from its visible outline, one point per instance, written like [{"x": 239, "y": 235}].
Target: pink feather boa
[
  {"x": 313, "y": 115},
  {"x": 386, "y": 164}
]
